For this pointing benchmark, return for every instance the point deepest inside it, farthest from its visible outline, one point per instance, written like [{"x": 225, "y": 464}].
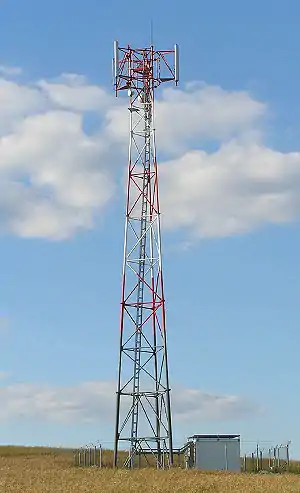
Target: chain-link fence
[
  {"x": 261, "y": 457},
  {"x": 268, "y": 458},
  {"x": 101, "y": 455}
]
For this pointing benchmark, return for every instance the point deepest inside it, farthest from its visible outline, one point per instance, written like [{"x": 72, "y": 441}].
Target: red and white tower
[{"x": 143, "y": 411}]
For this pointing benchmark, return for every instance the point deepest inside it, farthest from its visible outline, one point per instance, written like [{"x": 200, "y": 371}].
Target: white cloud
[
  {"x": 200, "y": 112},
  {"x": 184, "y": 118},
  {"x": 234, "y": 190},
  {"x": 72, "y": 91},
  {"x": 56, "y": 178},
  {"x": 89, "y": 401},
  {"x": 16, "y": 102},
  {"x": 95, "y": 401},
  {"x": 52, "y": 180},
  {"x": 194, "y": 405}
]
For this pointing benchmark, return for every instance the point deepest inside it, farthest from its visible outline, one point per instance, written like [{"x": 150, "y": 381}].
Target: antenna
[
  {"x": 116, "y": 64},
  {"x": 176, "y": 63}
]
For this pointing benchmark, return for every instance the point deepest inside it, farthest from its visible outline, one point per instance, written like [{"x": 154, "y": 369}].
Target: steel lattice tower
[{"x": 143, "y": 410}]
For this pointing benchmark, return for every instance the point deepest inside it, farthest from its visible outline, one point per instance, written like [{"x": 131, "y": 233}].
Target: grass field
[{"x": 37, "y": 470}]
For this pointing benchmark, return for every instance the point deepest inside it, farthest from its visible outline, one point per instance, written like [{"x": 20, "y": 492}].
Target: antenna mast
[{"x": 143, "y": 410}]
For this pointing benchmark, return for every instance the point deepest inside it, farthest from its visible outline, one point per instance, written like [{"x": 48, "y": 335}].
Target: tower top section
[{"x": 135, "y": 68}]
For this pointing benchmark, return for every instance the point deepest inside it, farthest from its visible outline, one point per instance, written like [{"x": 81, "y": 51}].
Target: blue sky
[{"x": 231, "y": 272}]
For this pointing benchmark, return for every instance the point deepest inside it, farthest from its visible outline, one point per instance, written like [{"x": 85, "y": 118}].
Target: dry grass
[{"x": 24, "y": 470}]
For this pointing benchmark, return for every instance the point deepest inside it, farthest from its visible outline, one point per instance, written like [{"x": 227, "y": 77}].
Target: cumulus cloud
[
  {"x": 56, "y": 177},
  {"x": 18, "y": 101},
  {"x": 95, "y": 401},
  {"x": 191, "y": 405},
  {"x": 201, "y": 112},
  {"x": 235, "y": 190},
  {"x": 185, "y": 118},
  {"x": 50, "y": 180},
  {"x": 73, "y": 91},
  {"x": 89, "y": 401}
]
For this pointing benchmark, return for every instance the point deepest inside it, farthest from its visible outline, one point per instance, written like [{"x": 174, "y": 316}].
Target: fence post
[
  {"x": 278, "y": 457},
  {"x": 288, "y": 457},
  {"x": 100, "y": 455},
  {"x": 257, "y": 458},
  {"x": 226, "y": 457}
]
